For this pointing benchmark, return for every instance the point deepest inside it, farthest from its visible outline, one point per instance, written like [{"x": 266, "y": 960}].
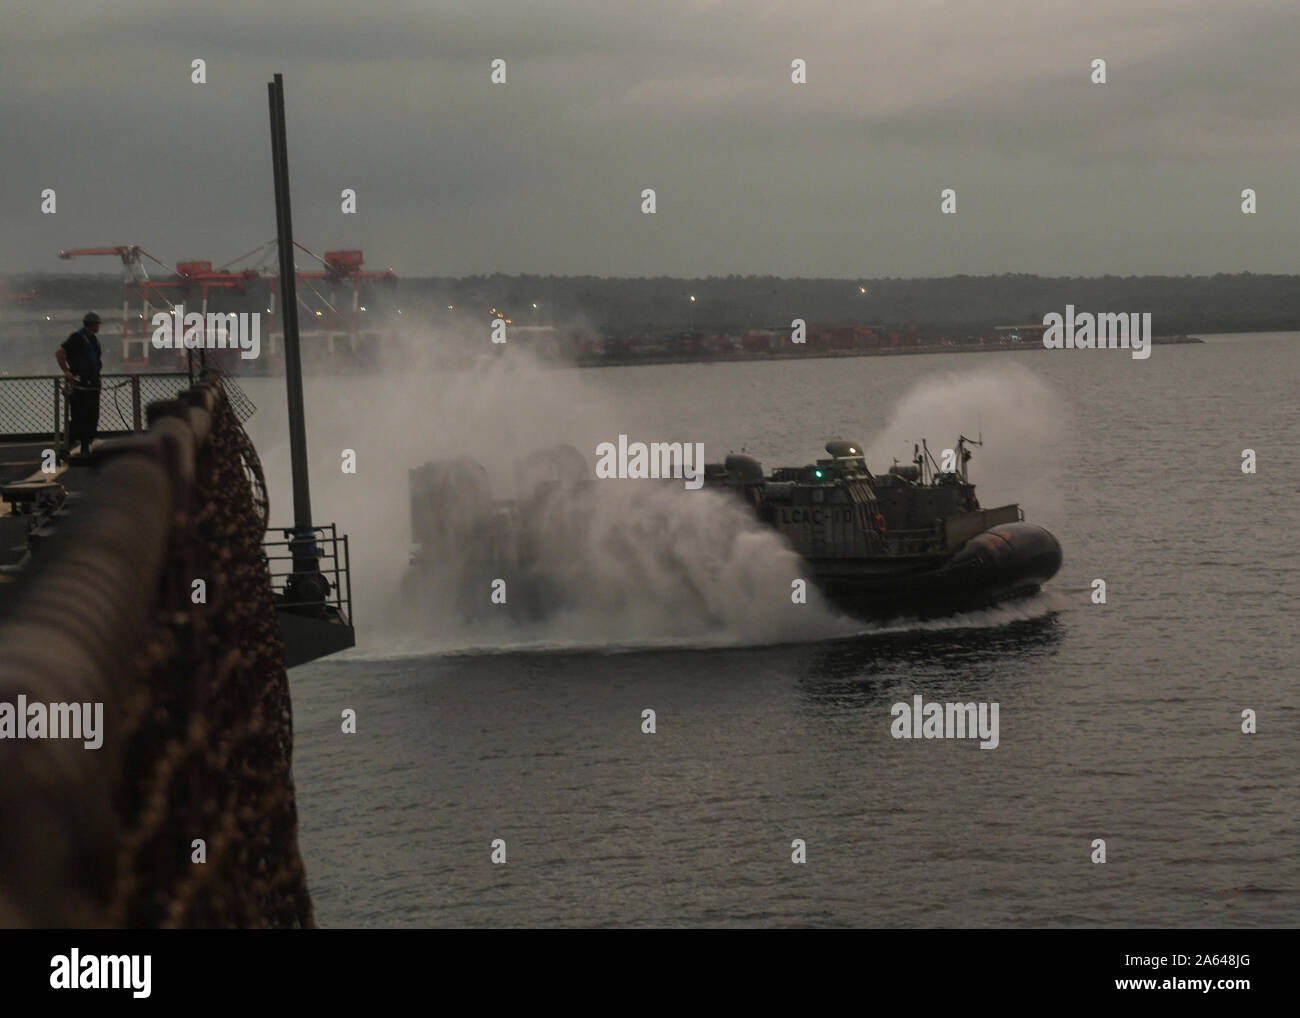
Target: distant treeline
[{"x": 954, "y": 305}]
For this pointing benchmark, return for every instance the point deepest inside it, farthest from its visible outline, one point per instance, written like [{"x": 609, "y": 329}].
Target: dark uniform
[{"x": 85, "y": 361}]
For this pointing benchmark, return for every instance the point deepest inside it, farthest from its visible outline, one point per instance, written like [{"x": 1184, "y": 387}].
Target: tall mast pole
[{"x": 304, "y": 550}]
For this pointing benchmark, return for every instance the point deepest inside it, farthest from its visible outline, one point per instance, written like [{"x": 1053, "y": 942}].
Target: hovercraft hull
[{"x": 1005, "y": 562}]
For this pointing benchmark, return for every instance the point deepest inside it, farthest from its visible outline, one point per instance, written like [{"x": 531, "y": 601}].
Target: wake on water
[
  {"x": 1037, "y": 606},
  {"x": 651, "y": 565}
]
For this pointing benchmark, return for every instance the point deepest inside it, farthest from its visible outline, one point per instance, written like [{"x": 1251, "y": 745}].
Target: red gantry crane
[
  {"x": 339, "y": 268},
  {"x": 190, "y": 276},
  {"x": 135, "y": 279}
]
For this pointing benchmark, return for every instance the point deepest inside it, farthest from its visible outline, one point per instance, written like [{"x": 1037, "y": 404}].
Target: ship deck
[{"x": 33, "y": 422}]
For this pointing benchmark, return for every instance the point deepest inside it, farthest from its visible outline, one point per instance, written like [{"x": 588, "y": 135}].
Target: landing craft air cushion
[
  {"x": 913, "y": 542},
  {"x": 910, "y": 543}
]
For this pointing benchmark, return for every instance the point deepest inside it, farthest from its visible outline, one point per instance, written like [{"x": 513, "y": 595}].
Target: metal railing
[
  {"x": 36, "y": 408},
  {"x": 331, "y": 551}
]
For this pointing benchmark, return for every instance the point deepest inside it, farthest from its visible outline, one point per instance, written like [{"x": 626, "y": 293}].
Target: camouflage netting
[{"x": 210, "y": 728}]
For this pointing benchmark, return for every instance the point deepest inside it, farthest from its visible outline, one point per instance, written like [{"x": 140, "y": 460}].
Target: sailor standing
[{"x": 81, "y": 361}]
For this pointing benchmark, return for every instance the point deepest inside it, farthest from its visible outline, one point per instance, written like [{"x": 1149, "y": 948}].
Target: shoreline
[
  {"x": 635, "y": 360},
  {"x": 316, "y": 363}
]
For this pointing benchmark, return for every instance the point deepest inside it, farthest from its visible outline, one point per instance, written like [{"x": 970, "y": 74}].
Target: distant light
[
  {"x": 862, "y": 289},
  {"x": 534, "y": 307},
  {"x": 451, "y": 307},
  {"x": 363, "y": 309},
  {"x": 172, "y": 311},
  {"x": 817, "y": 473},
  {"x": 692, "y": 298},
  {"x": 268, "y": 311},
  {"x": 47, "y": 318},
  {"x": 317, "y": 314},
  {"x": 851, "y": 449}
]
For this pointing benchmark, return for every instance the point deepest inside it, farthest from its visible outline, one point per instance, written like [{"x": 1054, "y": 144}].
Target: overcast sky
[{"x": 838, "y": 177}]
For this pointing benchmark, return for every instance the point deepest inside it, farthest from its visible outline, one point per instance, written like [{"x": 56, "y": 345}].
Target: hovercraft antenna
[{"x": 965, "y": 454}]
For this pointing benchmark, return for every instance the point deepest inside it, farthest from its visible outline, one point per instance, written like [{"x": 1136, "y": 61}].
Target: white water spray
[
  {"x": 1019, "y": 416},
  {"x": 631, "y": 563}
]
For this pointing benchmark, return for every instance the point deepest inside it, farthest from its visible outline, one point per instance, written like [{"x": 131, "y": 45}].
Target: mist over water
[
  {"x": 1022, "y": 421},
  {"x": 625, "y": 564}
]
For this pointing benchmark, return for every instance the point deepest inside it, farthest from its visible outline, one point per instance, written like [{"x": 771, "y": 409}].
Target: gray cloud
[{"x": 753, "y": 174}]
